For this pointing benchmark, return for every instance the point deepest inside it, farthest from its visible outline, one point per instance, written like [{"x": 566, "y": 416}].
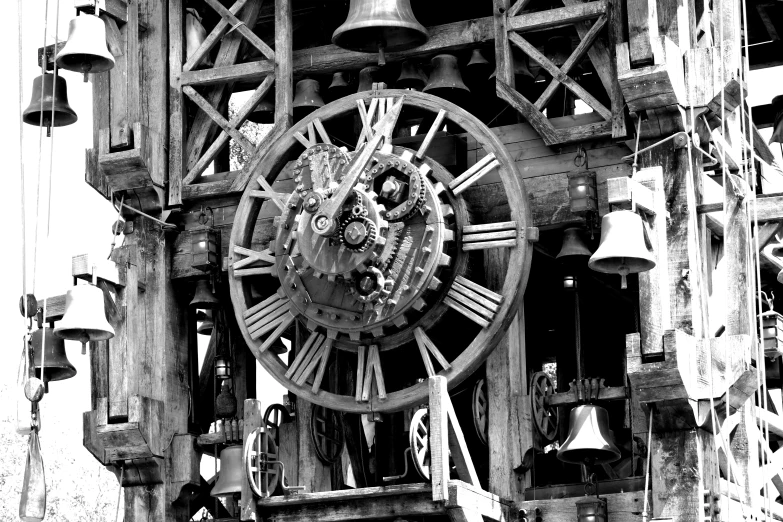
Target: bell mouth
[{"x": 370, "y": 38}]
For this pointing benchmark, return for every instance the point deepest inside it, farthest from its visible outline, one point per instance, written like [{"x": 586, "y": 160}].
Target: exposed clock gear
[
  {"x": 402, "y": 196},
  {"x": 358, "y": 233}
]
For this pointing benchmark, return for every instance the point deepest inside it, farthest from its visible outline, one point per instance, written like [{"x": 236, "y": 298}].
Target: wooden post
[{"x": 177, "y": 114}]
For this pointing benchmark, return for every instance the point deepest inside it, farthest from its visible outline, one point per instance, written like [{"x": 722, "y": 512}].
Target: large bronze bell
[
  {"x": 380, "y": 25},
  {"x": 777, "y": 130},
  {"x": 622, "y": 250},
  {"x": 573, "y": 245},
  {"x": 231, "y": 475},
  {"x": 86, "y": 50},
  {"x": 446, "y": 80},
  {"x": 339, "y": 87},
  {"x": 45, "y": 100},
  {"x": 264, "y": 112},
  {"x": 57, "y": 367},
  {"x": 411, "y": 76},
  {"x": 195, "y": 34},
  {"x": 85, "y": 316},
  {"x": 367, "y": 76},
  {"x": 590, "y": 440},
  {"x": 307, "y": 98},
  {"x": 203, "y": 298},
  {"x": 206, "y": 325}
]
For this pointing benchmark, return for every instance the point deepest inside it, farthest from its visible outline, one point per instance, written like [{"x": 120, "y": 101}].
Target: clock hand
[{"x": 325, "y": 221}]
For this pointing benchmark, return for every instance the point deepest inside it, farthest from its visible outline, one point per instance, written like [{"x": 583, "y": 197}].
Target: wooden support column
[{"x": 510, "y": 425}]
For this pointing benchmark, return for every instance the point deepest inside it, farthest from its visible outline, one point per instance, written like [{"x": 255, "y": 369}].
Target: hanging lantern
[
  {"x": 231, "y": 475},
  {"x": 446, "y": 80},
  {"x": 367, "y": 76},
  {"x": 622, "y": 249},
  {"x": 207, "y": 324},
  {"x": 582, "y": 192},
  {"x": 411, "y": 76},
  {"x": 590, "y": 440},
  {"x": 84, "y": 319},
  {"x": 203, "y": 296},
  {"x": 772, "y": 333},
  {"x": 339, "y": 88},
  {"x": 44, "y": 101},
  {"x": 380, "y": 26},
  {"x": 591, "y": 509},
  {"x": 195, "y": 34},
  {"x": 777, "y": 128},
  {"x": 223, "y": 367},
  {"x": 57, "y": 366},
  {"x": 264, "y": 112},
  {"x": 204, "y": 249},
  {"x": 86, "y": 51},
  {"x": 307, "y": 98}
]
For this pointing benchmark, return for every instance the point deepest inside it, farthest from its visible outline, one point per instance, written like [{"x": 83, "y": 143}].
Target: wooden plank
[
  {"x": 642, "y": 31},
  {"x": 177, "y": 115},
  {"x": 438, "y": 436},
  {"x": 620, "y": 506},
  {"x": 558, "y": 17},
  {"x": 284, "y": 94},
  {"x": 504, "y": 61}
]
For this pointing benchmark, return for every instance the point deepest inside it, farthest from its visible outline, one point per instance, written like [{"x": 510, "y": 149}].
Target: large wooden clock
[{"x": 376, "y": 255}]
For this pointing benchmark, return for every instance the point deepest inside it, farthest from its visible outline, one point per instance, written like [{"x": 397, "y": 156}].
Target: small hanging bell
[
  {"x": 446, "y": 80},
  {"x": 307, "y": 98},
  {"x": 86, "y": 51},
  {"x": 411, "y": 76},
  {"x": 558, "y": 50},
  {"x": 622, "y": 249},
  {"x": 203, "y": 297},
  {"x": 573, "y": 245},
  {"x": 84, "y": 319},
  {"x": 264, "y": 112},
  {"x": 207, "y": 324},
  {"x": 44, "y": 100},
  {"x": 590, "y": 440},
  {"x": 195, "y": 34},
  {"x": 477, "y": 59},
  {"x": 231, "y": 475},
  {"x": 777, "y": 129},
  {"x": 57, "y": 366},
  {"x": 367, "y": 76},
  {"x": 339, "y": 88}
]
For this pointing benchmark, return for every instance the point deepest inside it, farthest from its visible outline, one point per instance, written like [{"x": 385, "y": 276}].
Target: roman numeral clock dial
[{"x": 367, "y": 256}]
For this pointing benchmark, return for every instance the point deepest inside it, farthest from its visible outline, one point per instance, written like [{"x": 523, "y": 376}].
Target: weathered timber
[
  {"x": 656, "y": 85},
  {"x": 620, "y": 506}
]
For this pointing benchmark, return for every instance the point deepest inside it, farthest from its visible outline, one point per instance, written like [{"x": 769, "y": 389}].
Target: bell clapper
[
  {"x": 623, "y": 271},
  {"x": 381, "y": 54}
]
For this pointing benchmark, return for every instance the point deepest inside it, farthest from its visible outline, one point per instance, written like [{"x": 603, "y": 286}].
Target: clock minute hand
[{"x": 325, "y": 221}]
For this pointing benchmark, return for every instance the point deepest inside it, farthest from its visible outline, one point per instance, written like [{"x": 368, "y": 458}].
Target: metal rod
[
  {"x": 163, "y": 224},
  {"x": 631, "y": 156}
]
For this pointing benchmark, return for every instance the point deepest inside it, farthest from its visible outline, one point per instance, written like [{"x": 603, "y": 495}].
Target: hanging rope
[
  {"x": 646, "y": 511},
  {"x": 21, "y": 160},
  {"x": 119, "y": 493}
]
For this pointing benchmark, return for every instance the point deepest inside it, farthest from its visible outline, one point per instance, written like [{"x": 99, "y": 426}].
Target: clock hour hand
[{"x": 325, "y": 221}]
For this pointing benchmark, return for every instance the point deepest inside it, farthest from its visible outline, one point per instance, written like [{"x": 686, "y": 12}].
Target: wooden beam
[
  {"x": 177, "y": 114},
  {"x": 558, "y": 17},
  {"x": 768, "y": 206}
]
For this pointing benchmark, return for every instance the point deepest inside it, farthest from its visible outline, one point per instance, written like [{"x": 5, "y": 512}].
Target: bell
[
  {"x": 86, "y": 50},
  {"x": 477, "y": 59},
  {"x": 380, "y": 26},
  {"x": 42, "y": 88},
  {"x": 231, "y": 475},
  {"x": 590, "y": 440},
  {"x": 367, "y": 77},
  {"x": 85, "y": 316},
  {"x": 57, "y": 366},
  {"x": 278, "y": 348},
  {"x": 558, "y": 50},
  {"x": 203, "y": 297},
  {"x": 226, "y": 402},
  {"x": 777, "y": 108},
  {"x": 780, "y": 277},
  {"x": 307, "y": 98},
  {"x": 195, "y": 34},
  {"x": 573, "y": 245},
  {"x": 411, "y": 76},
  {"x": 264, "y": 112},
  {"x": 339, "y": 87},
  {"x": 622, "y": 249},
  {"x": 446, "y": 80},
  {"x": 207, "y": 324}
]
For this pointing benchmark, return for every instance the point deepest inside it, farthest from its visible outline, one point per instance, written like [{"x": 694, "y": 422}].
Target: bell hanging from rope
[
  {"x": 264, "y": 112},
  {"x": 44, "y": 100},
  {"x": 558, "y": 50},
  {"x": 207, "y": 324},
  {"x": 86, "y": 51},
  {"x": 203, "y": 298},
  {"x": 590, "y": 441},
  {"x": 446, "y": 80},
  {"x": 380, "y": 26},
  {"x": 57, "y": 366},
  {"x": 622, "y": 249},
  {"x": 84, "y": 319},
  {"x": 231, "y": 475},
  {"x": 339, "y": 88},
  {"x": 777, "y": 129},
  {"x": 195, "y": 34},
  {"x": 367, "y": 76},
  {"x": 411, "y": 77},
  {"x": 574, "y": 246},
  {"x": 307, "y": 98}
]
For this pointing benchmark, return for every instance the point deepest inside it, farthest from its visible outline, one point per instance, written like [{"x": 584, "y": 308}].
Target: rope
[
  {"x": 119, "y": 493},
  {"x": 636, "y": 149},
  {"x": 40, "y": 150},
  {"x": 646, "y": 512},
  {"x": 21, "y": 160}
]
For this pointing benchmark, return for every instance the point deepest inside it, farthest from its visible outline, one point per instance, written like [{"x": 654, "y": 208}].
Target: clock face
[{"x": 375, "y": 262}]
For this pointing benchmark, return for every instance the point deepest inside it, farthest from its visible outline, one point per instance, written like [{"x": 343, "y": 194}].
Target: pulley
[
  {"x": 411, "y": 76},
  {"x": 339, "y": 88},
  {"x": 203, "y": 297},
  {"x": 307, "y": 98},
  {"x": 86, "y": 51},
  {"x": 57, "y": 366},
  {"x": 264, "y": 112},
  {"x": 446, "y": 80},
  {"x": 367, "y": 76},
  {"x": 195, "y": 34},
  {"x": 380, "y": 26},
  {"x": 622, "y": 250},
  {"x": 231, "y": 476},
  {"x": 777, "y": 129},
  {"x": 574, "y": 246},
  {"x": 85, "y": 316},
  {"x": 44, "y": 101},
  {"x": 590, "y": 441}
]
